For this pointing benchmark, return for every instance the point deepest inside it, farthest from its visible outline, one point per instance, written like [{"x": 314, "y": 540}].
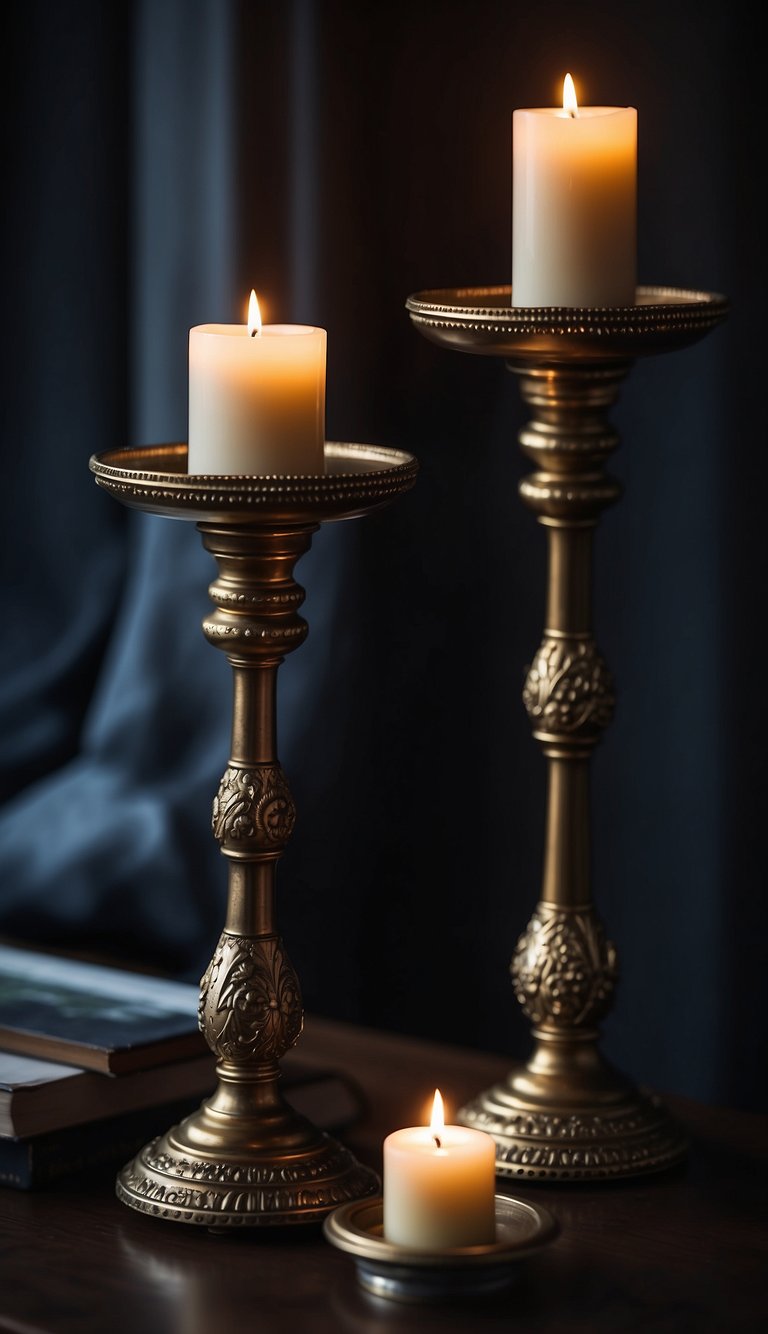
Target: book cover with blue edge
[{"x": 95, "y": 1017}]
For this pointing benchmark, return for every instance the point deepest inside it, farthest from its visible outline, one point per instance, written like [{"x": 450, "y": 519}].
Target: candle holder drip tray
[{"x": 409, "y": 1275}]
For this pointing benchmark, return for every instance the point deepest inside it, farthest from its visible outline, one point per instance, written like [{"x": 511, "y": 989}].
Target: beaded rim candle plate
[
  {"x": 482, "y": 320},
  {"x": 154, "y": 478},
  {"x": 406, "y": 1274}
]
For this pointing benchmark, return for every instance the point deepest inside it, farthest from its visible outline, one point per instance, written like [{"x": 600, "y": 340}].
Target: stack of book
[{"x": 95, "y": 1061}]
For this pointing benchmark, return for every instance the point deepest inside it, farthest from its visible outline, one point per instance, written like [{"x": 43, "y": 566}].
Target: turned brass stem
[
  {"x": 251, "y": 1007},
  {"x": 566, "y": 879},
  {"x": 251, "y": 897},
  {"x": 569, "y": 581},
  {"x": 254, "y": 712}
]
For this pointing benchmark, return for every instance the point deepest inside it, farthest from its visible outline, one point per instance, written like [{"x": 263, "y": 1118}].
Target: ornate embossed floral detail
[
  {"x": 543, "y": 1144},
  {"x": 237, "y": 597},
  {"x": 564, "y": 970},
  {"x": 254, "y": 805},
  {"x": 227, "y": 1194},
  {"x": 250, "y": 1002},
  {"x": 568, "y": 688},
  {"x": 333, "y": 1162}
]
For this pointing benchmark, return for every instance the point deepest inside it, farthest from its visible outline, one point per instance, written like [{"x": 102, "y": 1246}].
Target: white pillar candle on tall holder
[
  {"x": 439, "y": 1186},
  {"x": 256, "y": 397},
  {"x": 574, "y": 174}
]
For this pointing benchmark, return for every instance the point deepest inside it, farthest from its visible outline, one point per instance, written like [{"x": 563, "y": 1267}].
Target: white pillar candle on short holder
[
  {"x": 256, "y": 397},
  {"x": 439, "y": 1186},
  {"x": 574, "y": 173}
]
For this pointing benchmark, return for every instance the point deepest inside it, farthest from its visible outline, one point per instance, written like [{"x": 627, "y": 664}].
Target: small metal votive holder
[{"x": 405, "y": 1274}]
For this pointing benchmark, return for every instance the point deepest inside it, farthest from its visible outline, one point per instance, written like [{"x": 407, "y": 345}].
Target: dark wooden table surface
[{"x": 684, "y": 1251}]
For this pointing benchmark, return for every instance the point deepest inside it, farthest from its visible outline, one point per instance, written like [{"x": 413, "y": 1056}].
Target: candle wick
[
  {"x": 436, "y": 1138},
  {"x": 571, "y": 113},
  {"x": 254, "y": 333}
]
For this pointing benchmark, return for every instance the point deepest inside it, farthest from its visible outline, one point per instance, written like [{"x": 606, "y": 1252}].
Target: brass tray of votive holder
[{"x": 406, "y": 1274}]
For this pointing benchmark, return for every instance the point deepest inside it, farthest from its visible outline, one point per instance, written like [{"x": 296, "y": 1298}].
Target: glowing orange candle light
[
  {"x": 570, "y": 104},
  {"x": 254, "y": 315}
]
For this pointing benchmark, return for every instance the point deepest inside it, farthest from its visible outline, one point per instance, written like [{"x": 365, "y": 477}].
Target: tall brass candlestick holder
[
  {"x": 568, "y": 1114},
  {"x": 246, "y": 1158}
]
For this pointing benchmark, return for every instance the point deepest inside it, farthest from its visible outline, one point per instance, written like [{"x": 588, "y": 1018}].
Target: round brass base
[
  {"x": 262, "y": 1187},
  {"x": 624, "y": 1138}
]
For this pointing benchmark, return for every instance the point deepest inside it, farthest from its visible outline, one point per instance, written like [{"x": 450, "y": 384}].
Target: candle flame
[
  {"x": 437, "y": 1124},
  {"x": 254, "y": 316},
  {"x": 569, "y": 96}
]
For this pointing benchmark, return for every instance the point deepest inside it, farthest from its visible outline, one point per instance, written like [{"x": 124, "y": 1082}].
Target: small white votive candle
[
  {"x": 256, "y": 398},
  {"x": 439, "y": 1186}
]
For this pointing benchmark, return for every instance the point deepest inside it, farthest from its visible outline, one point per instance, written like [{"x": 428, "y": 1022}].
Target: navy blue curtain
[{"x": 160, "y": 158}]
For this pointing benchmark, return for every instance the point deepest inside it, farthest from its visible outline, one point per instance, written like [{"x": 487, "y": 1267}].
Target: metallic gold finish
[
  {"x": 409, "y": 1275},
  {"x": 154, "y": 478},
  {"x": 482, "y": 321},
  {"x": 246, "y": 1158},
  {"x": 567, "y": 1113}
]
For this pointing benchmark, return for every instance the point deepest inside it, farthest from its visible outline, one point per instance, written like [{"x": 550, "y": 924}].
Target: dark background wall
[{"x": 160, "y": 158}]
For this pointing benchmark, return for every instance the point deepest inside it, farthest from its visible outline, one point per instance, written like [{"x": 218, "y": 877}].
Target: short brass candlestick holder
[
  {"x": 246, "y": 1158},
  {"x": 567, "y": 1113}
]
